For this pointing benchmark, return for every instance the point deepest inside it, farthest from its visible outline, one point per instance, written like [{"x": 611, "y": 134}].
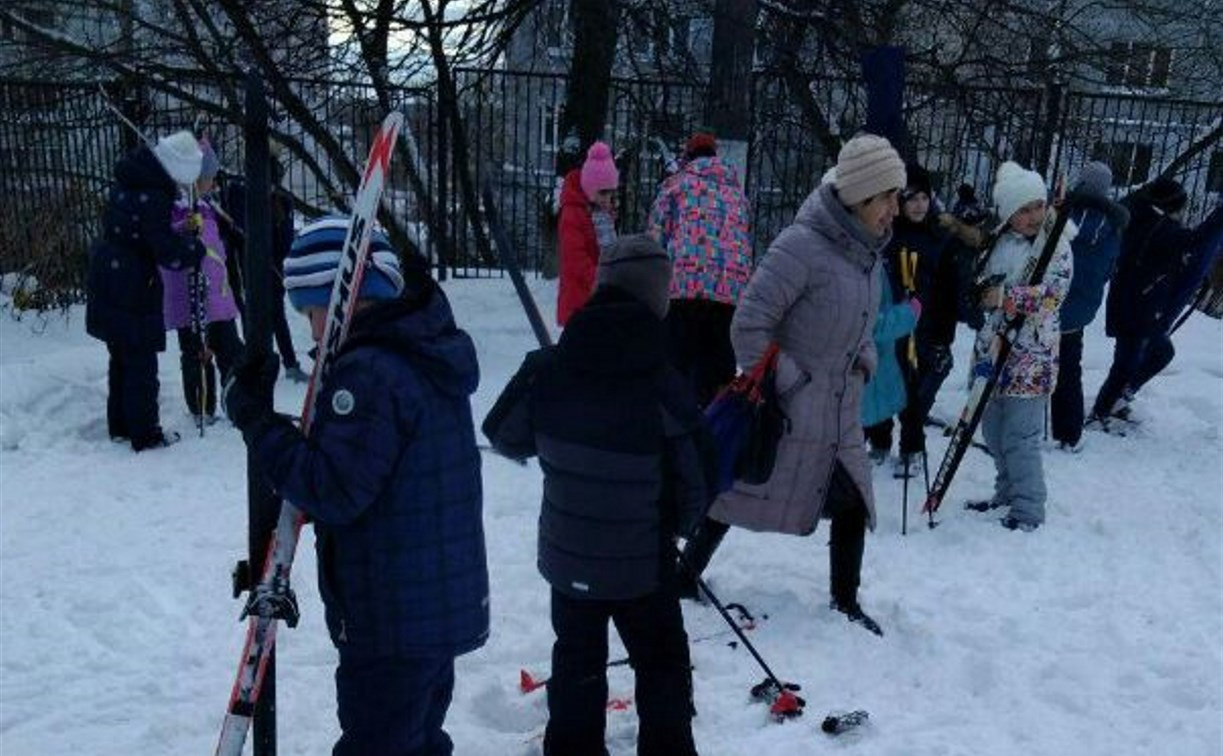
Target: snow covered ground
[{"x": 1102, "y": 633}]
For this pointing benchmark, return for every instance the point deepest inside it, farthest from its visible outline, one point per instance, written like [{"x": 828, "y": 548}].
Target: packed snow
[{"x": 1101, "y": 633}]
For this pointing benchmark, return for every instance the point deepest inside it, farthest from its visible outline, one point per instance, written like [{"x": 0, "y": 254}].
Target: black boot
[
  {"x": 696, "y": 555},
  {"x": 853, "y": 612}
]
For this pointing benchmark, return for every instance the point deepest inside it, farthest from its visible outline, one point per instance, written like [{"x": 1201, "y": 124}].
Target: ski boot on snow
[
  {"x": 853, "y": 612},
  {"x": 159, "y": 440}
]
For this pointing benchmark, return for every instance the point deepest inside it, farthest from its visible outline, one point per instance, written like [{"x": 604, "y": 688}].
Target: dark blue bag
[{"x": 747, "y": 423}]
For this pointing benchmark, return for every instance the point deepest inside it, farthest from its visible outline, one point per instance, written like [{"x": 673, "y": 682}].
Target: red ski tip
[
  {"x": 526, "y": 683},
  {"x": 619, "y": 704},
  {"x": 931, "y": 505},
  {"x": 787, "y": 705}
]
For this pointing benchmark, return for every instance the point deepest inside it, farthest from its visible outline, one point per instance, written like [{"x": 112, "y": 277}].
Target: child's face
[
  {"x": 318, "y": 321},
  {"x": 916, "y": 206},
  {"x": 1027, "y": 219},
  {"x": 606, "y": 199}
]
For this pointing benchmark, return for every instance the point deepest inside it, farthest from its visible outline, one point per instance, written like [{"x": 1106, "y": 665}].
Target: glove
[{"x": 247, "y": 397}]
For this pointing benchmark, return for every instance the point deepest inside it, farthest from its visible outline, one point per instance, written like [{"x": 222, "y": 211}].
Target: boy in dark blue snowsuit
[
  {"x": 618, "y": 435},
  {"x": 124, "y": 287},
  {"x": 1147, "y": 290},
  {"x": 390, "y": 475}
]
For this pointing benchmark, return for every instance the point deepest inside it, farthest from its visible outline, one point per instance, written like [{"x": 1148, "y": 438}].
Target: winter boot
[
  {"x": 908, "y": 465},
  {"x": 853, "y": 612},
  {"x": 1013, "y": 523},
  {"x": 158, "y": 440},
  {"x": 295, "y": 374},
  {"x": 879, "y": 456},
  {"x": 983, "y": 505}
]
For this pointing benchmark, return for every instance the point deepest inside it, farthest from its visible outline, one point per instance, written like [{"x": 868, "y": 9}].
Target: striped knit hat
[
  {"x": 867, "y": 165},
  {"x": 314, "y": 258}
]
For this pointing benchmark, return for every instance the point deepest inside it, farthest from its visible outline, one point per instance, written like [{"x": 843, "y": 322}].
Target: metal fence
[{"x": 59, "y": 142}]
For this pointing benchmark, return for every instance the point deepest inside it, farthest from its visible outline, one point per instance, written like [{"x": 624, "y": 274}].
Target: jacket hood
[
  {"x": 1116, "y": 212},
  {"x": 423, "y": 330},
  {"x": 140, "y": 169},
  {"x": 823, "y": 213},
  {"x": 711, "y": 168},
  {"x": 571, "y": 191},
  {"x": 613, "y": 334}
]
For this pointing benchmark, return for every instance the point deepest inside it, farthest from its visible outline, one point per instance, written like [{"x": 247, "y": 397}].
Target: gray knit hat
[
  {"x": 867, "y": 165},
  {"x": 639, "y": 266},
  {"x": 1095, "y": 179}
]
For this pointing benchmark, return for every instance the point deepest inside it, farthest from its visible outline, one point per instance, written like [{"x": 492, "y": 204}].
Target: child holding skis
[
  {"x": 617, "y": 431},
  {"x": 220, "y": 336},
  {"x": 1014, "y": 418},
  {"x": 390, "y": 475}
]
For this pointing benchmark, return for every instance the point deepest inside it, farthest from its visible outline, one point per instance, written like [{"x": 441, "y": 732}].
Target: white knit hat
[
  {"x": 867, "y": 165},
  {"x": 181, "y": 156},
  {"x": 1016, "y": 186}
]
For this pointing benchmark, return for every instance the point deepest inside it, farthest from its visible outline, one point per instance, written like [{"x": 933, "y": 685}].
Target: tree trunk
[{"x": 595, "y": 31}]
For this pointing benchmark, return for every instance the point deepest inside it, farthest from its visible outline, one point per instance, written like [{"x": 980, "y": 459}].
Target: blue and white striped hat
[{"x": 314, "y": 258}]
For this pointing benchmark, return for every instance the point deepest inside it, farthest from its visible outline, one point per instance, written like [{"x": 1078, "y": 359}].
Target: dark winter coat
[
  {"x": 1156, "y": 250},
  {"x": 124, "y": 285},
  {"x": 938, "y": 284},
  {"x": 620, "y": 440},
  {"x": 1197, "y": 263},
  {"x": 816, "y": 294},
  {"x": 390, "y": 474},
  {"x": 1101, "y": 222}
]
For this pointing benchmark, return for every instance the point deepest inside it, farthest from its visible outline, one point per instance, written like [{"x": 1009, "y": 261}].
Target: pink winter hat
[{"x": 599, "y": 171}]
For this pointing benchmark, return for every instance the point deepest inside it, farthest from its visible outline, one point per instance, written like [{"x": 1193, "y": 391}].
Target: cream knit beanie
[{"x": 867, "y": 165}]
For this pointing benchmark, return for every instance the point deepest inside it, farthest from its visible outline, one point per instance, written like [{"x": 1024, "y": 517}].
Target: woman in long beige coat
[{"x": 815, "y": 293}]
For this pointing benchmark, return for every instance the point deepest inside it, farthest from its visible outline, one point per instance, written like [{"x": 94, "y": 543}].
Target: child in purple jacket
[{"x": 221, "y": 342}]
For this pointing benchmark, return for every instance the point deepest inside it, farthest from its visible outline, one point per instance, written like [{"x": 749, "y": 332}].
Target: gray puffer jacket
[{"x": 816, "y": 294}]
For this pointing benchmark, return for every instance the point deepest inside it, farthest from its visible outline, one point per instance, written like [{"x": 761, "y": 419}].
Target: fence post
[
  {"x": 1046, "y": 157},
  {"x": 263, "y": 506}
]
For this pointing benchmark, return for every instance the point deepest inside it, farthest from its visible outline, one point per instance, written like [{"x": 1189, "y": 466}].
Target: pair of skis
[
  {"x": 986, "y": 373},
  {"x": 272, "y": 600}
]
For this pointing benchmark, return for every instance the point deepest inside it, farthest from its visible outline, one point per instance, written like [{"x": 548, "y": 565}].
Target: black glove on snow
[{"x": 247, "y": 397}]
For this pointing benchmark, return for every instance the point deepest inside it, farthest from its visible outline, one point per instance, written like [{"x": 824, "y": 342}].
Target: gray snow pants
[{"x": 1012, "y": 427}]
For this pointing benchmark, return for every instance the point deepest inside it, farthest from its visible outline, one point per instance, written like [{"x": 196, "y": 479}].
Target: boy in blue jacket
[
  {"x": 390, "y": 475},
  {"x": 1100, "y": 222}
]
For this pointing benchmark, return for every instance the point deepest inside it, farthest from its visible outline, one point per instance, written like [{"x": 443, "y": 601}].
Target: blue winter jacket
[
  {"x": 124, "y": 286},
  {"x": 1100, "y": 222},
  {"x": 885, "y": 395},
  {"x": 390, "y": 474}
]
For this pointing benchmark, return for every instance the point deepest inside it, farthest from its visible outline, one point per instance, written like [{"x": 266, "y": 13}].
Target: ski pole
[
  {"x": 785, "y": 703},
  {"x": 904, "y": 501}
]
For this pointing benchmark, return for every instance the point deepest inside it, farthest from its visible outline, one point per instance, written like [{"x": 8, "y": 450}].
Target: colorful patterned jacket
[
  {"x": 1031, "y": 369},
  {"x": 701, "y": 218}
]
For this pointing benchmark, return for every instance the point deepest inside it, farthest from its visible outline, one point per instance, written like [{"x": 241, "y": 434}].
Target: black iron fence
[{"x": 59, "y": 142}]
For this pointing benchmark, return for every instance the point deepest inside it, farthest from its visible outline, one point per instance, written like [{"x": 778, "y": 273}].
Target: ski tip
[
  {"x": 527, "y": 683},
  {"x": 786, "y": 706}
]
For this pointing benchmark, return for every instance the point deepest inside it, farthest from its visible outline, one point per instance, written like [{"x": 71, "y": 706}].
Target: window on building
[
  {"x": 1214, "y": 174},
  {"x": 1134, "y": 64},
  {"x": 1130, "y": 162},
  {"x": 549, "y": 127},
  {"x": 555, "y": 19}
]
